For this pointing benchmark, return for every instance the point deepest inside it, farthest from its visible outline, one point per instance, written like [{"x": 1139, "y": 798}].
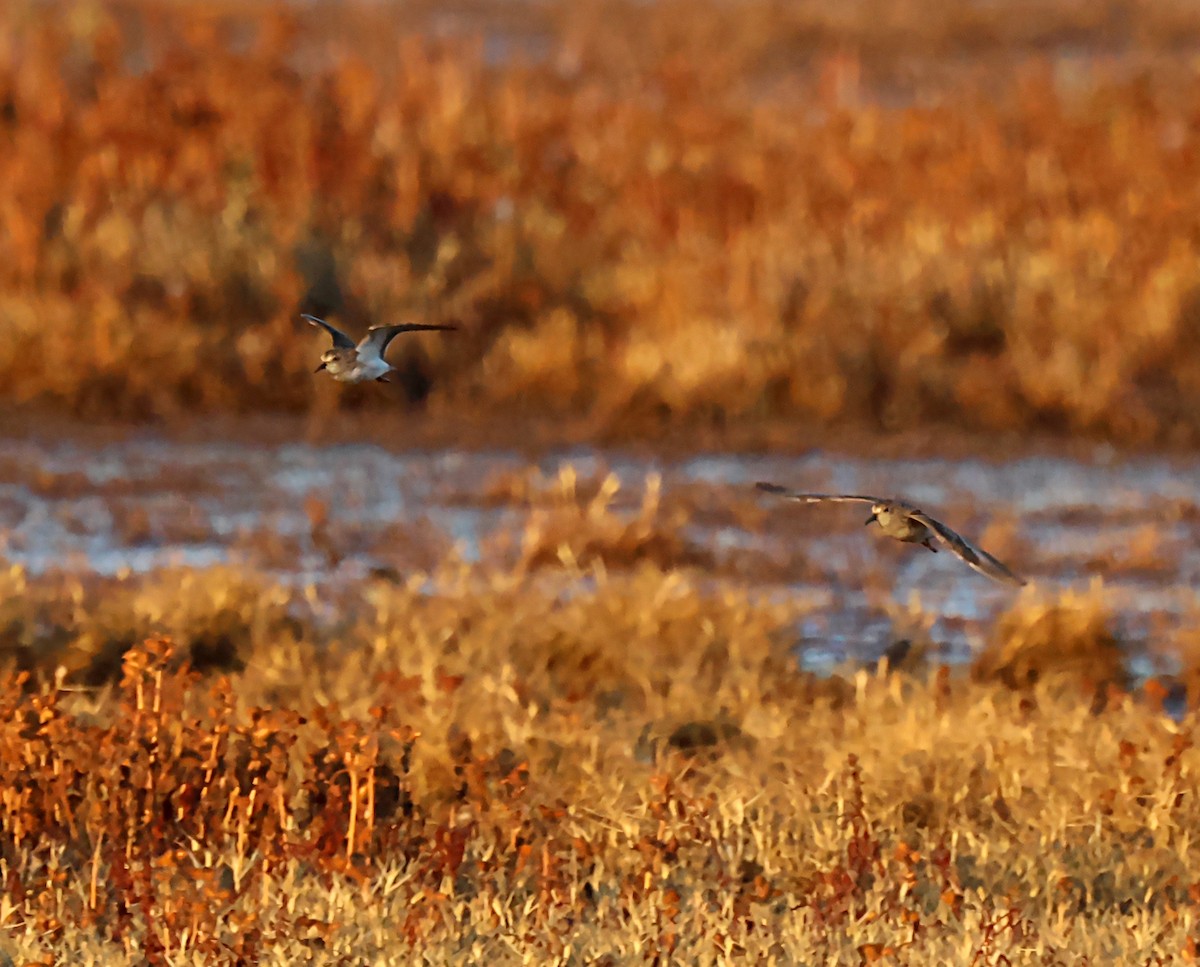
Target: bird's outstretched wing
[
  {"x": 975, "y": 557},
  {"x": 340, "y": 339},
  {"x": 375, "y": 342},
  {"x": 771, "y": 488}
]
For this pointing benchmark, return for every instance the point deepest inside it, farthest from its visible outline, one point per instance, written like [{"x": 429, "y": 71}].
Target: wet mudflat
[{"x": 335, "y": 516}]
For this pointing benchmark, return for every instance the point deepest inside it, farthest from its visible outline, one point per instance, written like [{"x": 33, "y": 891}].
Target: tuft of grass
[
  {"x": 1068, "y": 633},
  {"x": 85, "y": 625},
  {"x": 579, "y": 527}
]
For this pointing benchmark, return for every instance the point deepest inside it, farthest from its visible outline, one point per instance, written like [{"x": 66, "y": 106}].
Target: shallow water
[{"x": 149, "y": 502}]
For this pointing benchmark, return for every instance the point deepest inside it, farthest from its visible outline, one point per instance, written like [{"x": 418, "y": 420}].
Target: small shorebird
[
  {"x": 351, "y": 363},
  {"x": 910, "y": 524}
]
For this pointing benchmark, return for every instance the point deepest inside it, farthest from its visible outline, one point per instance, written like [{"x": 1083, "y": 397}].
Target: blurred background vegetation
[{"x": 691, "y": 213}]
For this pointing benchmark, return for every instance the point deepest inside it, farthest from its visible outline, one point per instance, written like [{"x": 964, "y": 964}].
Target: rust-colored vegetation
[
  {"x": 471, "y": 767},
  {"x": 724, "y": 216}
]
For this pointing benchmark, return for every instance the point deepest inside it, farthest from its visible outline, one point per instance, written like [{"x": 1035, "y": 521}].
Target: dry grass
[
  {"x": 470, "y": 767},
  {"x": 574, "y": 524},
  {"x": 711, "y": 221},
  {"x": 1067, "y": 634}
]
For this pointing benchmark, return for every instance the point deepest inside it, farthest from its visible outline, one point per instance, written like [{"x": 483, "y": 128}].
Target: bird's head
[{"x": 876, "y": 510}]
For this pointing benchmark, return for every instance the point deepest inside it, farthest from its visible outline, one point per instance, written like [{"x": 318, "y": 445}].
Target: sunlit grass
[
  {"x": 636, "y": 231},
  {"x": 472, "y": 766}
]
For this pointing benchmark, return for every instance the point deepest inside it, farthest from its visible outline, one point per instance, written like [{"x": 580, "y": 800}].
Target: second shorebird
[
  {"x": 910, "y": 524},
  {"x": 349, "y": 362}
]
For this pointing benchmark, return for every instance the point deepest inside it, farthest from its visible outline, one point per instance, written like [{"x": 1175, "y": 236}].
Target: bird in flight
[
  {"x": 904, "y": 522},
  {"x": 348, "y": 362}
]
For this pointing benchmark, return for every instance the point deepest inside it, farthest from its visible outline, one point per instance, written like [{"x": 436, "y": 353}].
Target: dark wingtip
[
  {"x": 414, "y": 327},
  {"x": 1008, "y": 577},
  {"x": 770, "y": 488}
]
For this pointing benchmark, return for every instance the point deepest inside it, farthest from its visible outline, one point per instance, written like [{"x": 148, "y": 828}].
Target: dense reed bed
[
  {"x": 607, "y": 768},
  {"x": 740, "y": 214}
]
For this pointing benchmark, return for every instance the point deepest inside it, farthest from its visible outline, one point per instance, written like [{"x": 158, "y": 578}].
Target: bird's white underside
[{"x": 371, "y": 367}]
